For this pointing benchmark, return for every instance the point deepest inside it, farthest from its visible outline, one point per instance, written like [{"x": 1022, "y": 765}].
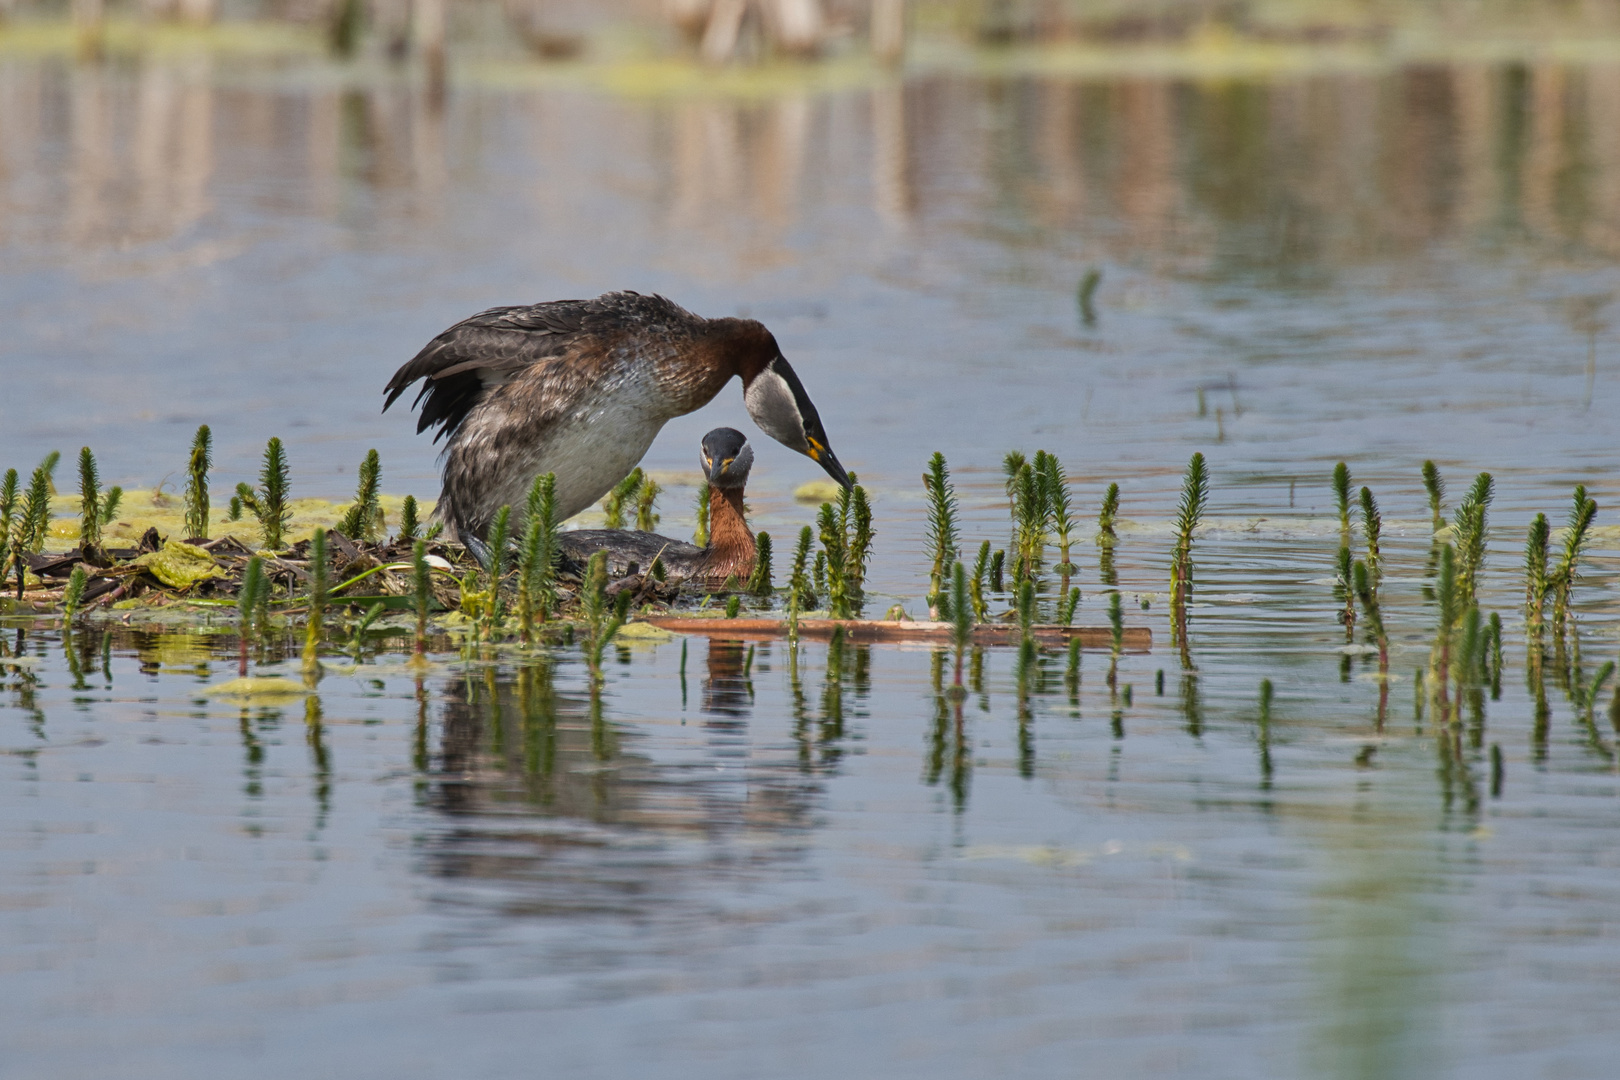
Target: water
[{"x": 769, "y": 876}]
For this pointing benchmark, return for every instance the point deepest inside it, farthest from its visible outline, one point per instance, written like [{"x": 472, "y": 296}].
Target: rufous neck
[{"x": 731, "y": 550}]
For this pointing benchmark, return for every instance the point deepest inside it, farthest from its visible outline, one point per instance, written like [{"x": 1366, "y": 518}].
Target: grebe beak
[{"x": 822, "y": 455}]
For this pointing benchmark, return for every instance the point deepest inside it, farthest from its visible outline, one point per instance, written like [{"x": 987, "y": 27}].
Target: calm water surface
[{"x": 816, "y": 866}]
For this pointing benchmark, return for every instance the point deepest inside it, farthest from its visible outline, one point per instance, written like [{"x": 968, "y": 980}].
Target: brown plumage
[
  {"x": 580, "y": 388},
  {"x": 731, "y": 551}
]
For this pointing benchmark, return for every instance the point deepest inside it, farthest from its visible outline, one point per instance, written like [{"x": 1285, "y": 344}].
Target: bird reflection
[{"x": 727, "y": 690}]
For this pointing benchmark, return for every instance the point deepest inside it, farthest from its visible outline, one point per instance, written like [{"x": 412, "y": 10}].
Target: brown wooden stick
[{"x": 1138, "y": 639}]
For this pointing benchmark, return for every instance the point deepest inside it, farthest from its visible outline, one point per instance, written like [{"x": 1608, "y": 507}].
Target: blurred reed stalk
[
  {"x": 623, "y": 492},
  {"x": 700, "y": 535},
  {"x": 197, "y": 469}
]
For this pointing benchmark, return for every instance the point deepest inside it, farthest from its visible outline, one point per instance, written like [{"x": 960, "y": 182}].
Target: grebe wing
[{"x": 461, "y": 366}]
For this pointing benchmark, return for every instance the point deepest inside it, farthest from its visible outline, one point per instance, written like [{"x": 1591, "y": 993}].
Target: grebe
[
  {"x": 730, "y": 553},
  {"x": 580, "y": 388}
]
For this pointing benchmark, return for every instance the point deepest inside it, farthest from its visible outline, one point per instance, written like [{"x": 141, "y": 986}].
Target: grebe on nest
[
  {"x": 730, "y": 553},
  {"x": 580, "y": 388}
]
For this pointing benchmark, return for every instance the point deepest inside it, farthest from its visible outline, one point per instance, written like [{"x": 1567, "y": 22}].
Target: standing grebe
[
  {"x": 580, "y": 388},
  {"x": 730, "y": 553}
]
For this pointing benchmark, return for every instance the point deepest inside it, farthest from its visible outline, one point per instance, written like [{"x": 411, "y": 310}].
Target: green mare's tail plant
[
  {"x": 624, "y": 492},
  {"x": 49, "y": 464},
  {"x": 1469, "y": 527},
  {"x": 1026, "y": 629},
  {"x": 759, "y": 582},
  {"x": 1341, "y": 493},
  {"x": 1447, "y": 595},
  {"x": 998, "y": 563},
  {"x": 1116, "y": 625},
  {"x": 422, "y": 591},
  {"x": 801, "y": 594},
  {"x": 1106, "y": 537},
  {"x": 32, "y": 522},
  {"x": 1496, "y": 656},
  {"x": 961, "y": 619},
  {"x": 247, "y": 604},
  {"x": 700, "y": 535},
  {"x": 846, "y": 541},
  {"x": 363, "y": 521},
  {"x": 95, "y": 507},
  {"x": 981, "y": 573},
  {"x": 1061, "y": 511},
  {"x": 1087, "y": 294},
  {"x": 1011, "y": 466},
  {"x": 1067, "y": 604},
  {"x": 8, "y": 517},
  {"x": 647, "y": 516},
  {"x": 73, "y": 595},
  {"x": 603, "y": 617},
  {"x": 1372, "y": 527},
  {"x": 410, "y": 526},
  {"x": 500, "y": 536},
  {"x": 202, "y": 460},
  {"x": 1436, "y": 487},
  {"x": 317, "y": 601},
  {"x": 1344, "y": 589},
  {"x": 942, "y": 531},
  {"x": 1194, "y": 500},
  {"x": 1032, "y": 518},
  {"x": 1368, "y": 595},
  {"x": 538, "y": 558},
  {"x": 1563, "y": 579},
  {"x": 1537, "y": 580},
  {"x": 270, "y": 503}
]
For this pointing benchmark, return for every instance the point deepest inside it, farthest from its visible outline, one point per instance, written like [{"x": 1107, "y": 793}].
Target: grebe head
[
  {"x": 727, "y": 457},
  {"x": 776, "y": 400}
]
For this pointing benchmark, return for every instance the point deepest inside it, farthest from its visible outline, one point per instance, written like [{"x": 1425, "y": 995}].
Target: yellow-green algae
[{"x": 180, "y": 565}]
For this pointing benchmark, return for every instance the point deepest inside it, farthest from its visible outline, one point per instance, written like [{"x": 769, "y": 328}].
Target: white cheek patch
[{"x": 770, "y": 402}]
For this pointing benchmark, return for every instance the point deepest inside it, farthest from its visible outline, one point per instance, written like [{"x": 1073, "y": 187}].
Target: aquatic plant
[
  {"x": 537, "y": 556},
  {"x": 1496, "y": 655},
  {"x": 942, "y": 530},
  {"x": 500, "y": 537},
  {"x": 1265, "y": 729},
  {"x": 700, "y": 535},
  {"x": 1581, "y": 516},
  {"x": 32, "y": 520},
  {"x": 317, "y": 601},
  {"x": 49, "y": 463},
  {"x": 759, "y": 582},
  {"x": 1537, "y": 581},
  {"x": 981, "y": 573},
  {"x": 624, "y": 491},
  {"x": 1372, "y": 528},
  {"x": 801, "y": 594},
  {"x": 1106, "y": 537},
  {"x": 1469, "y": 529},
  {"x": 846, "y": 543},
  {"x": 363, "y": 520},
  {"x": 1344, "y": 589},
  {"x": 1061, "y": 516},
  {"x": 8, "y": 514},
  {"x": 270, "y": 502},
  {"x": 602, "y": 617},
  {"x": 961, "y": 617},
  {"x": 1436, "y": 487},
  {"x": 197, "y": 467},
  {"x": 1032, "y": 519},
  {"x": 998, "y": 564},
  {"x": 410, "y": 526},
  {"x": 1341, "y": 493},
  {"x": 647, "y": 517},
  {"x": 733, "y": 606},
  {"x": 1367, "y": 593},
  {"x": 247, "y": 604},
  {"x": 1116, "y": 626},
  {"x": 1194, "y": 500},
  {"x": 422, "y": 592},
  {"x": 73, "y": 595},
  {"x": 1067, "y": 604},
  {"x": 95, "y": 508},
  {"x": 1011, "y": 465},
  {"x": 1447, "y": 595}
]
